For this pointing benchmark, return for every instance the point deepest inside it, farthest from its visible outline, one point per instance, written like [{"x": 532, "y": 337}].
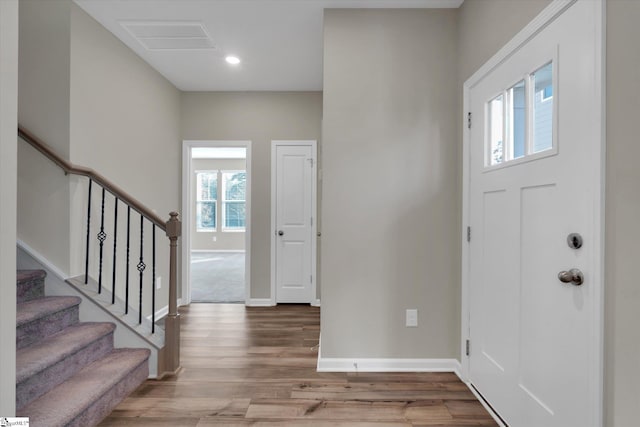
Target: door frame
[
  {"x": 314, "y": 226},
  {"x": 549, "y": 14},
  {"x": 188, "y": 203}
]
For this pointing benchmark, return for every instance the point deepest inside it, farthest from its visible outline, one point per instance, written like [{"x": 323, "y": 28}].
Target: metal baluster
[
  {"x": 126, "y": 298},
  {"x": 101, "y": 237},
  {"x": 115, "y": 241},
  {"x": 141, "y": 267},
  {"x": 153, "y": 282},
  {"x": 86, "y": 260}
]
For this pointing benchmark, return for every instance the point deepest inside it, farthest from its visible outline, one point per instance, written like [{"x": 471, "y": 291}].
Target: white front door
[
  {"x": 534, "y": 156},
  {"x": 294, "y": 195}
]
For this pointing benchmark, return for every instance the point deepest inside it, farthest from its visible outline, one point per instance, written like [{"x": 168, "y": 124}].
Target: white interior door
[
  {"x": 535, "y": 149},
  {"x": 294, "y": 221}
]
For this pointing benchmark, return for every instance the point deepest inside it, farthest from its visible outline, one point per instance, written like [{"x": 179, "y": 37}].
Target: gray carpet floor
[{"x": 217, "y": 277}]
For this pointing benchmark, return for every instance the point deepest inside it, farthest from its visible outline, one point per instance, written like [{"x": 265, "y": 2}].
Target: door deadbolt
[
  {"x": 574, "y": 240},
  {"x": 280, "y": 233},
  {"x": 573, "y": 276}
]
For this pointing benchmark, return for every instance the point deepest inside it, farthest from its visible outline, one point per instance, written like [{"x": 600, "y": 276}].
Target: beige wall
[
  {"x": 224, "y": 240},
  {"x": 119, "y": 104},
  {"x": 622, "y": 294},
  {"x": 124, "y": 124},
  {"x": 44, "y": 64},
  {"x": 259, "y": 117},
  {"x": 101, "y": 106},
  {"x": 8, "y": 173},
  {"x": 487, "y": 25},
  {"x": 389, "y": 184}
]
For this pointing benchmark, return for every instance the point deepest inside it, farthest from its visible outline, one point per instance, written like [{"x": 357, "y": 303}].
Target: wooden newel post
[{"x": 172, "y": 321}]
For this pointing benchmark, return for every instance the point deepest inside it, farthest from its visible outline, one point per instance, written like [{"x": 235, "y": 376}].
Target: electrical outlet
[
  {"x": 158, "y": 282},
  {"x": 412, "y": 318}
]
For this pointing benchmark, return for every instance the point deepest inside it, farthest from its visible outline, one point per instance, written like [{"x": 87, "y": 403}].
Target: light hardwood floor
[{"x": 257, "y": 366}]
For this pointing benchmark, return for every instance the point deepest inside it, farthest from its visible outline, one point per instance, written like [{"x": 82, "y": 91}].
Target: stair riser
[
  {"x": 29, "y": 290},
  {"x": 108, "y": 401},
  {"x": 37, "y": 385},
  {"x": 32, "y": 332}
]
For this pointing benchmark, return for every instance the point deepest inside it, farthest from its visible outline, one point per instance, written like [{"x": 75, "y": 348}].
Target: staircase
[{"x": 68, "y": 372}]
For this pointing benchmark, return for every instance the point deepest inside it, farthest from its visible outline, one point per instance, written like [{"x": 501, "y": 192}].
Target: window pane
[
  {"x": 235, "y": 185},
  {"x": 543, "y": 108},
  {"x": 206, "y": 215},
  {"x": 234, "y": 214},
  {"x": 235, "y": 190},
  {"x": 207, "y": 186},
  {"x": 516, "y": 125},
  {"x": 496, "y": 129}
]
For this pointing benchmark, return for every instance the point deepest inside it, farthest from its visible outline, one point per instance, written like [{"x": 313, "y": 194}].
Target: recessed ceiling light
[{"x": 233, "y": 60}]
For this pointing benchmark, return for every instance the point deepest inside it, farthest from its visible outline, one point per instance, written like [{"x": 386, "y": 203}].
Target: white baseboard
[
  {"x": 315, "y": 303},
  {"x": 164, "y": 311},
  {"x": 260, "y": 302},
  {"x": 42, "y": 260},
  {"x": 387, "y": 365},
  {"x": 234, "y": 251}
]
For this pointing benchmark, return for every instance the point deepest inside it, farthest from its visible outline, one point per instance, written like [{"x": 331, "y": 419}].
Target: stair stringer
[{"x": 125, "y": 336}]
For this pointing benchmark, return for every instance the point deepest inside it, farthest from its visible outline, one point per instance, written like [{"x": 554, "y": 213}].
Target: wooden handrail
[
  {"x": 70, "y": 168},
  {"x": 169, "y": 357}
]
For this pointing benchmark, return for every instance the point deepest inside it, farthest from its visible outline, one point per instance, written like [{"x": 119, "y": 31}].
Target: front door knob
[
  {"x": 280, "y": 233},
  {"x": 573, "y": 276}
]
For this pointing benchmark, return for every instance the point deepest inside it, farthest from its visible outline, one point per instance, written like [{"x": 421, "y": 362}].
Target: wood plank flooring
[{"x": 257, "y": 367}]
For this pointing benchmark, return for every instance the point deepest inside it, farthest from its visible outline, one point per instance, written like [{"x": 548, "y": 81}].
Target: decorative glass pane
[
  {"x": 496, "y": 131},
  {"x": 206, "y": 215},
  {"x": 516, "y": 125},
  {"x": 542, "y": 81}
]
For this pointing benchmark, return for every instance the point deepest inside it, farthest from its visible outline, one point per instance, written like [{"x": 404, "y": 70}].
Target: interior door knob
[
  {"x": 573, "y": 276},
  {"x": 280, "y": 233}
]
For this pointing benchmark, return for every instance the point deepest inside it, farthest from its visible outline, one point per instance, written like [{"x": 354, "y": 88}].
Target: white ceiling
[{"x": 278, "y": 41}]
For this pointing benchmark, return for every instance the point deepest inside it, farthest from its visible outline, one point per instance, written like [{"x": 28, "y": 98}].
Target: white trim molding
[
  {"x": 315, "y": 302},
  {"x": 260, "y": 302},
  {"x": 326, "y": 364},
  {"x": 48, "y": 266}
]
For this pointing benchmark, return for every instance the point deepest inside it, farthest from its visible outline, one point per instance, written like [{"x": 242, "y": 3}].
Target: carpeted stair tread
[
  {"x": 42, "y": 317},
  {"x": 92, "y": 393},
  {"x": 47, "y": 363},
  {"x": 38, "y": 356},
  {"x": 29, "y": 284},
  {"x": 29, "y": 275},
  {"x": 43, "y": 307}
]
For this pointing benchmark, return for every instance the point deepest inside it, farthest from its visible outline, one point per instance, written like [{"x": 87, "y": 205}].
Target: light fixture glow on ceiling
[{"x": 233, "y": 60}]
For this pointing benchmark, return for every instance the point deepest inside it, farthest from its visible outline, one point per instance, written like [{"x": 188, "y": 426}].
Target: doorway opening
[{"x": 216, "y": 221}]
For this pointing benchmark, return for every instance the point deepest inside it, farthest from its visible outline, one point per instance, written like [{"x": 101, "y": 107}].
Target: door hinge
[
  {"x": 468, "y": 234},
  {"x": 469, "y": 119},
  {"x": 311, "y": 278},
  {"x": 312, "y": 221},
  {"x": 310, "y": 162},
  {"x": 468, "y": 349}
]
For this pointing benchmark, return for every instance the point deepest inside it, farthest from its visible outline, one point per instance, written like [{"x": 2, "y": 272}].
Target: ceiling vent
[{"x": 169, "y": 35}]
